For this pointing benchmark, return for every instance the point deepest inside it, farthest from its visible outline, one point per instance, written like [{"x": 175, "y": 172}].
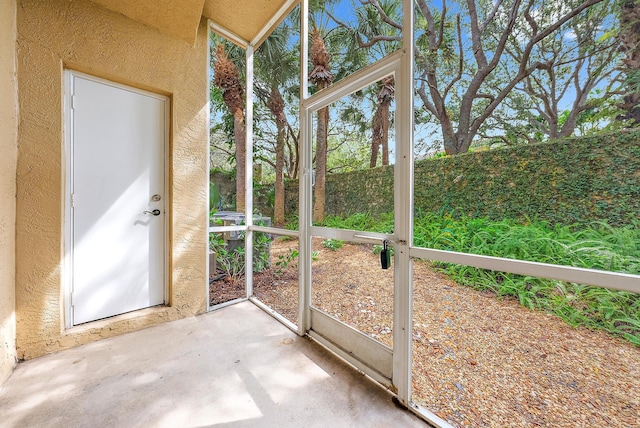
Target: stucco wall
[
  {"x": 8, "y": 153},
  {"x": 54, "y": 35}
]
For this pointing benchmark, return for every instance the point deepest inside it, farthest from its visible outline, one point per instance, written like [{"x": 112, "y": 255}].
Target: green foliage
[
  {"x": 214, "y": 197},
  {"x": 596, "y": 246},
  {"x": 214, "y": 221},
  {"x": 291, "y": 221},
  {"x": 348, "y": 154},
  {"x": 382, "y": 223},
  {"x": 332, "y": 244},
  {"x": 284, "y": 260},
  {"x": 563, "y": 182},
  {"x": 261, "y": 251},
  {"x": 231, "y": 259},
  {"x": 290, "y": 260}
]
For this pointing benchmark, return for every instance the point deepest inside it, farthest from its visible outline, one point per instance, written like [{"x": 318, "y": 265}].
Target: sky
[{"x": 345, "y": 11}]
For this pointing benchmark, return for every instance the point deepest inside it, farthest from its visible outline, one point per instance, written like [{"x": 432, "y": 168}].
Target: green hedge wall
[
  {"x": 222, "y": 192},
  {"x": 567, "y": 181},
  {"x": 369, "y": 190}
]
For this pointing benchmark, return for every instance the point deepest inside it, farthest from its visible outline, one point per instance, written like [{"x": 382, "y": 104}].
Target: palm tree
[
  {"x": 375, "y": 35},
  {"x": 227, "y": 78},
  {"x": 322, "y": 77},
  {"x": 378, "y": 39},
  {"x": 276, "y": 106},
  {"x": 380, "y": 134},
  {"x": 276, "y": 67}
]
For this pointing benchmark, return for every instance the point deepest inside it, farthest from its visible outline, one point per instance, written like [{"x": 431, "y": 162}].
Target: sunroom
[{"x": 386, "y": 178}]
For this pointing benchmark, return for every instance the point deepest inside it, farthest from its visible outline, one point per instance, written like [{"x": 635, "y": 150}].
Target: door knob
[{"x": 155, "y": 212}]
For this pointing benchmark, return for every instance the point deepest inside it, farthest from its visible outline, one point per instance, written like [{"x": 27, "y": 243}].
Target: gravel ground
[{"x": 478, "y": 361}]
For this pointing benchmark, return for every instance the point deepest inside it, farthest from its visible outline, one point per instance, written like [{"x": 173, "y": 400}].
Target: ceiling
[{"x": 242, "y": 21}]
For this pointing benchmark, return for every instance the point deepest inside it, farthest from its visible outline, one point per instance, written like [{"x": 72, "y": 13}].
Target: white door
[{"x": 116, "y": 148}]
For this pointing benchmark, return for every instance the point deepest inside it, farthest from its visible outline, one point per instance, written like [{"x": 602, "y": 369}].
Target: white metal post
[
  {"x": 248, "y": 198},
  {"x": 305, "y": 189},
  {"x": 403, "y": 207},
  {"x": 208, "y": 273}
]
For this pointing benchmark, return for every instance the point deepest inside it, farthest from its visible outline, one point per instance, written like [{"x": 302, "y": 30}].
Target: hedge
[{"x": 566, "y": 181}]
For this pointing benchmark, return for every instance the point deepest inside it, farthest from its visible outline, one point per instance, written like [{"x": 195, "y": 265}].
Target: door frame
[
  {"x": 361, "y": 350},
  {"x": 371, "y": 357},
  {"x": 68, "y": 121}
]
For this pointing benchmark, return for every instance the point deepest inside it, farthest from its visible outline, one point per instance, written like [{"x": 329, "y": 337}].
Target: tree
[
  {"x": 380, "y": 128},
  {"x": 375, "y": 34},
  {"x": 458, "y": 84},
  {"x": 461, "y": 56},
  {"x": 629, "y": 37},
  {"x": 275, "y": 68},
  {"x": 276, "y": 105},
  {"x": 321, "y": 77},
  {"x": 573, "y": 62},
  {"x": 227, "y": 79}
]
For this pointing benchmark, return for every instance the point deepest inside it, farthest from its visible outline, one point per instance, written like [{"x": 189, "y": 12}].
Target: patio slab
[{"x": 236, "y": 367}]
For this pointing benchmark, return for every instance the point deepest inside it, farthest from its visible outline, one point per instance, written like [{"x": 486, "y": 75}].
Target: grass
[{"x": 596, "y": 246}]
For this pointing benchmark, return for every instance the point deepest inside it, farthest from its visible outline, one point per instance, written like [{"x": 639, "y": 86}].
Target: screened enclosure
[{"x": 400, "y": 187}]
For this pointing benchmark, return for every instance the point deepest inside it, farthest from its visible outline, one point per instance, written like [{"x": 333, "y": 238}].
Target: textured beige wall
[
  {"x": 58, "y": 34},
  {"x": 8, "y": 153},
  {"x": 178, "y": 18}
]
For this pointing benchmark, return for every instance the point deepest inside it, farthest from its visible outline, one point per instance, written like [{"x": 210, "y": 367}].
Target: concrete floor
[{"x": 236, "y": 367}]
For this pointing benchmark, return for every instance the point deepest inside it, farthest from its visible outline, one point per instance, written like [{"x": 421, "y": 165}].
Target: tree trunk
[
  {"x": 630, "y": 46},
  {"x": 241, "y": 157},
  {"x": 321, "y": 77},
  {"x": 385, "y": 133},
  {"x": 278, "y": 208},
  {"x": 380, "y": 137},
  {"x": 322, "y": 134},
  {"x": 380, "y": 134},
  {"x": 227, "y": 78},
  {"x": 276, "y": 105},
  {"x": 376, "y": 138},
  {"x": 449, "y": 138}
]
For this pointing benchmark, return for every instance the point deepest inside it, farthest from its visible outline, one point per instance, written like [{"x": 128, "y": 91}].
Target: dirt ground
[{"x": 478, "y": 361}]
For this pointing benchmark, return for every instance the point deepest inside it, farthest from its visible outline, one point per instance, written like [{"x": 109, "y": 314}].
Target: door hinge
[
  {"x": 73, "y": 200},
  {"x": 73, "y": 101}
]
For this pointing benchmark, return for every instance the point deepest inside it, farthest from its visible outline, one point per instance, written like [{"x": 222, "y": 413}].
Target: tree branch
[
  {"x": 523, "y": 70},
  {"x": 375, "y": 39},
  {"x": 458, "y": 77},
  {"x": 491, "y": 15},
  {"x": 382, "y": 13}
]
